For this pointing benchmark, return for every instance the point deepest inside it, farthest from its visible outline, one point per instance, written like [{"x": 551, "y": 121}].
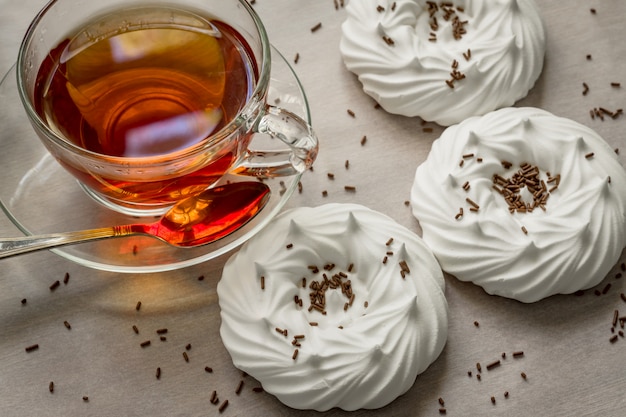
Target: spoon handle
[{"x": 19, "y": 245}]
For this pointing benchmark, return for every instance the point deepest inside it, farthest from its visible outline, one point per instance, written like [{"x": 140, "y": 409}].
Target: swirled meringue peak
[
  {"x": 333, "y": 306},
  {"x": 444, "y": 63},
  {"x": 523, "y": 203}
]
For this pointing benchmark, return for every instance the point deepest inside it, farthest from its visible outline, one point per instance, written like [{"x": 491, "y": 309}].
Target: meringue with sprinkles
[
  {"x": 336, "y": 306},
  {"x": 523, "y": 203},
  {"x": 444, "y": 62}
]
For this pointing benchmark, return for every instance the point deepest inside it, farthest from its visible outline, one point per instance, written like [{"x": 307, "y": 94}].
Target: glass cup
[{"x": 147, "y": 102}]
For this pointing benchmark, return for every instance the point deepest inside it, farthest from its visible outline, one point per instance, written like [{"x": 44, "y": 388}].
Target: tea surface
[{"x": 148, "y": 90}]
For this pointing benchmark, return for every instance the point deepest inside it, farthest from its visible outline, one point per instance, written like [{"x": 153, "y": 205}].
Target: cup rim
[{"x": 250, "y": 107}]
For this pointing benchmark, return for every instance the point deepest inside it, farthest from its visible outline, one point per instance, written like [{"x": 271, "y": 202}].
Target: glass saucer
[{"x": 39, "y": 196}]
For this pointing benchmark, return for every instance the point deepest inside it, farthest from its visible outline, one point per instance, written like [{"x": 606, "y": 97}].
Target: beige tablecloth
[{"x": 572, "y": 369}]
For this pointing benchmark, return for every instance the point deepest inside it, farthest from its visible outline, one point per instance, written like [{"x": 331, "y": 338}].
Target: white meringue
[
  {"x": 526, "y": 256},
  {"x": 500, "y": 55},
  {"x": 362, "y": 355}
]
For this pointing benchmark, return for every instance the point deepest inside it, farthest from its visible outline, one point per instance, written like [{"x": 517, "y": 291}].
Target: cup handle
[{"x": 289, "y": 128}]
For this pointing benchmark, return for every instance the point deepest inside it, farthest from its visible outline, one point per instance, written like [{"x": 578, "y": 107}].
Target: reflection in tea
[{"x": 146, "y": 89}]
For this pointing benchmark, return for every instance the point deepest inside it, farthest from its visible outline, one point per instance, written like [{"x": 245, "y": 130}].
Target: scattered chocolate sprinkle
[
  {"x": 593, "y": 11},
  {"x": 201, "y": 278},
  {"x": 66, "y": 278},
  {"x": 523, "y": 375},
  {"x": 223, "y": 406},
  {"x": 214, "y": 399},
  {"x": 363, "y": 140},
  {"x": 478, "y": 377},
  {"x": 441, "y": 402},
  {"x": 442, "y": 410},
  {"x": 518, "y": 354},
  {"x": 476, "y": 324},
  {"x": 472, "y": 203},
  {"x": 313, "y": 323},
  {"x": 316, "y": 27},
  {"x": 158, "y": 373},
  {"x": 613, "y": 339},
  {"x": 188, "y": 346},
  {"x": 506, "y": 394},
  {"x": 493, "y": 364},
  {"x": 296, "y": 58},
  {"x": 239, "y": 387},
  {"x": 351, "y": 188},
  {"x": 589, "y": 155},
  {"x": 55, "y": 285},
  {"x": 85, "y": 398},
  {"x": 295, "y": 354},
  {"x": 145, "y": 344},
  {"x": 351, "y": 113},
  {"x": 138, "y": 306},
  {"x": 51, "y": 386},
  {"x": 257, "y": 389},
  {"x": 606, "y": 288},
  {"x": 616, "y": 85},
  {"x": 135, "y": 329},
  {"x": 588, "y": 57},
  {"x": 389, "y": 242},
  {"x": 388, "y": 40},
  {"x": 585, "y": 89},
  {"x": 330, "y": 176},
  {"x": 186, "y": 357},
  {"x": 23, "y": 301},
  {"x": 67, "y": 325},
  {"x": 31, "y": 348},
  {"x": 478, "y": 367},
  {"x": 493, "y": 400},
  {"x": 161, "y": 331},
  {"x": 347, "y": 164},
  {"x": 503, "y": 355},
  {"x": 623, "y": 297},
  {"x": 208, "y": 369},
  {"x": 289, "y": 245}
]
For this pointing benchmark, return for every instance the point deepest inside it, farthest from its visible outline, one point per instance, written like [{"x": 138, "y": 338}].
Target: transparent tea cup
[{"x": 79, "y": 116}]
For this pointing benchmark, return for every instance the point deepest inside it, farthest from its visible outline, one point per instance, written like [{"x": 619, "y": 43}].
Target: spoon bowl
[{"x": 195, "y": 221}]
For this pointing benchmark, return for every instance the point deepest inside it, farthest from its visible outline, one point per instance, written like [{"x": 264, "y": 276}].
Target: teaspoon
[{"x": 194, "y": 221}]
